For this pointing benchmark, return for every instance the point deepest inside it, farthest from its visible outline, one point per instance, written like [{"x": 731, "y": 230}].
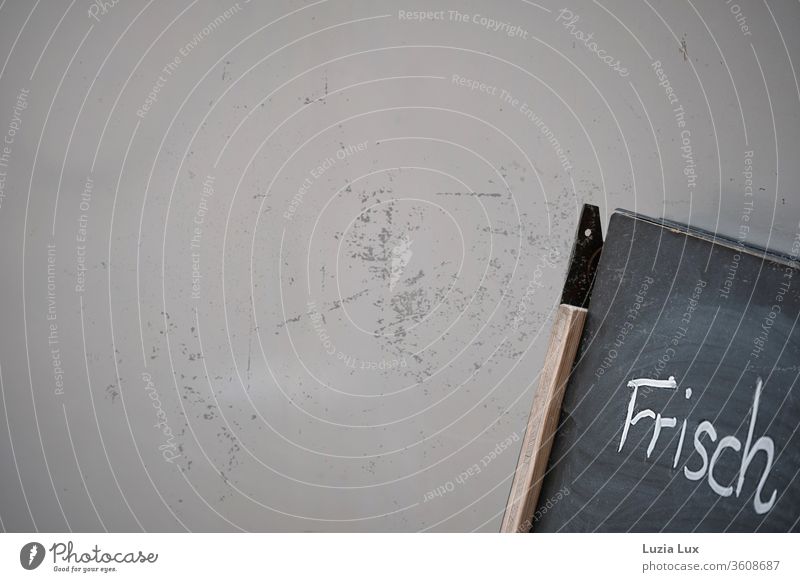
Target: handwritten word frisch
[{"x": 763, "y": 444}]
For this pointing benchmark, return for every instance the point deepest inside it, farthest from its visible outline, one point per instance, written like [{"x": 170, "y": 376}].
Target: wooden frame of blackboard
[{"x": 564, "y": 339}]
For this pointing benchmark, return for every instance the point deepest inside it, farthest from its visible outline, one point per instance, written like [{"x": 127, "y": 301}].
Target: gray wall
[{"x": 201, "y": 330}]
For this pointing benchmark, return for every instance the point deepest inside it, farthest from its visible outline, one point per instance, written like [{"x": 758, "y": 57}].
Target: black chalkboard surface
[{"x": 682, "y": 412}]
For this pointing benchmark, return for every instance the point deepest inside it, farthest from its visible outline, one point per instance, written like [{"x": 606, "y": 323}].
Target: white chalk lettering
[{"x": 705, "y": 432}]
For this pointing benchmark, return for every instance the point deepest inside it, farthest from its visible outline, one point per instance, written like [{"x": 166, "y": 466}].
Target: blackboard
[{"x": 703, "y": 332}]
